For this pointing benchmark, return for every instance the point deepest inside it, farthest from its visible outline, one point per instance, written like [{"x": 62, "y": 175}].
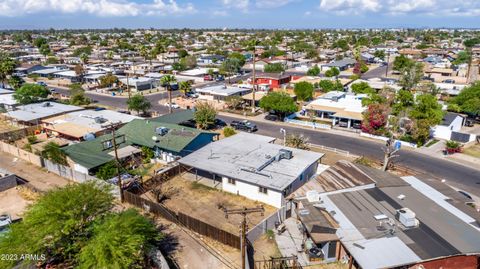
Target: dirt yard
[
  {"x": 5, "y": 126},
  {"x": 13, "y": 203},
  {"x": 473, "y": 151},
  {"x": 36, "y": 176},
  {"x": 266, "y": 247},
  {"x": 203, "y": 202}
]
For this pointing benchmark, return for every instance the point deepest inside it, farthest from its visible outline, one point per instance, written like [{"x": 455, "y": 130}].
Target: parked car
[
  {"x": 342, "y": 123},
  {"x": 41, "y": 83},
  {"x": 272, "y": 117},
  {"x": 173, "y": 105},
  {"x": 469, "y": 123},
  {"x": 189, "y": 123},
  {"x": 244, "y": 126},
  {"x": 357, "y": 125},
  {"x": 220, "y": 78},
  {"x": 192, "y": 94},
  {"x": 219, "y": 123},
  {"x": 207, "y": 78},
  {"x": 99, "y": 108},
  {"x": 124, "y": 112},
  {"x": 451, "y": 81},
  {"x": 5, "y": 222}
]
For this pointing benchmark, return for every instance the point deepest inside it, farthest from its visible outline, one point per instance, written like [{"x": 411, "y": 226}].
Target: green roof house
[{"x": 168, "y": 141}]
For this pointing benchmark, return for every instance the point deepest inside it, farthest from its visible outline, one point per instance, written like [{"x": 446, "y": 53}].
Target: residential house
[
  {"x": 340, "y": 108},
  {"x": 374, "y": 219},
  {"x": 220, "y": 92},
  {"x": 33, "y": 114},
  {"x": 168, "y": 141},
  {"x": 253, "y": 166},
  {"x": 84, "y": 124},
  {"x": 342, "y": 65},
  {"x": 273, "y": 80},
  {"x": 450, "y": 128}
]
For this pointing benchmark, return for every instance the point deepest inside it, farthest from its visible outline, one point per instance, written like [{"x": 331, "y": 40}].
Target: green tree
[
  {"x": 108, "y": 80},
  {"x": 274, "y": 68},
  {"x": 45, "y": 50},
  {"x": 238, "y": 56},
  {"x": 204, "y": 114},
  {"x": 303, "y": 90},
  {"x": 30, "y": 93},
  {"x": 279, "y": 102},
  {"x": 403, "y": 100},
  {"x": 426, "y": 107},
  {"x": 332, "y": 72},
  {"x": 59, "y": 224},
  {"x": 379, "y": 54},
  {"x": 233, "y": 101},
  {"x": 468, "y": 100},
  {"x": 7, "y": 67},
  {"x": 401, "y": 62},
  {"x": 167, "y": 81},
  {"x": 107, "y": 171},
  {"x": 411, "y": 75},
  {"x": 120, "y": 240},
  {"x": 362, "y": 87},
  {"x": 54, "y": 153},
  {"x": 77, "y": 96},
  {"x": 314, "y": 71},
  {"x": 329, "y": 85},
  {"x": 15, "y": 82},
  {"x": 38, "y": 42},
  {"x": 139, "y": 103},
  {"x": 462, "y": 58},
  {"x": 185, "y": 87}
]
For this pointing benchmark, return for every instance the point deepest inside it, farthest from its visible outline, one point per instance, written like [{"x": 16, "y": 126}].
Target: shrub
[{"x": 228, "y": 131}]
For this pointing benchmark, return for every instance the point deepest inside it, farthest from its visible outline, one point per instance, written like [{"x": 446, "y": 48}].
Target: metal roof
[{"x": 240, "y": 155}]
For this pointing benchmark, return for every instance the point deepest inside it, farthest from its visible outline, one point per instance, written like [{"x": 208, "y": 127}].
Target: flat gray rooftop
[
  {"x": 39, "y": 111},
  {"x": 238, "y": 156}
]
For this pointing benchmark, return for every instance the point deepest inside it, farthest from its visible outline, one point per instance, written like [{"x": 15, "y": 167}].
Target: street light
[{"x": 284, "y": 132}]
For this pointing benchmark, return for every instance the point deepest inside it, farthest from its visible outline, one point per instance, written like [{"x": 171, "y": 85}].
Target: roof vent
[
  {"x": 46, "y": 104},
  {"x": 161, "y": 131},
  {"x": 100, "y": 120},
  {"x": 407, "y": 218}
]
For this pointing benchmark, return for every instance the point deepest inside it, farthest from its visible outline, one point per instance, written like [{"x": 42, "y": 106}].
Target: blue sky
[{"x": 287, "y": 14}]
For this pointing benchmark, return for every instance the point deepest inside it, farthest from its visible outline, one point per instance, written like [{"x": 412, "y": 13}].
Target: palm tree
[
  {"x": 184, "y": 87},
  {"x": 167, "y": 82}
]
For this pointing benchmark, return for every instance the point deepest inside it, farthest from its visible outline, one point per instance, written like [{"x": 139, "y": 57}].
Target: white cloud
[
  {"x": 272, "y": 3},
  {"x": 104, "y": 8},
  {"x": 236, "y": 4},
  {"x": 397, "y": 7}
]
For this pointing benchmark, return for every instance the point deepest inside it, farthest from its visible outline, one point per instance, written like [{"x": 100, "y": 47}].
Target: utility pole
[
  {"x": 254, "y": 79},
  {"x": 113, "y": 127},
  {"x": 244, "y": 212},
  {"x": 386, "y": 69},
  {"x": 390, "y": 150}
]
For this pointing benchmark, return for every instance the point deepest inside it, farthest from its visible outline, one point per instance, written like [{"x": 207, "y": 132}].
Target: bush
[{"x": 228, "y": 131}]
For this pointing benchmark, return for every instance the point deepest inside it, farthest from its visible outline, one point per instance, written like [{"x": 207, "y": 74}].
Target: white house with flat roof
[
  {"x": 253, "y": 166},
  {"x": 220, "y": 92},
  {"x": 31, "y": 114}
]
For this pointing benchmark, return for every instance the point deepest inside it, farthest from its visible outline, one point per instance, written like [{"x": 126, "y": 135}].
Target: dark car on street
[
  {"x": 272, "y": 117},
  {"x": 244, "y": 126}
]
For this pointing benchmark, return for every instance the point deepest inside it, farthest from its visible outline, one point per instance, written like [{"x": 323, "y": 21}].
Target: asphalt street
[{"x": 458, "y": 175}]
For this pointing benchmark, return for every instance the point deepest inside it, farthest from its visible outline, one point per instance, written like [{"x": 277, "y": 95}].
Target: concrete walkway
[{"x": 290, "y": 242}]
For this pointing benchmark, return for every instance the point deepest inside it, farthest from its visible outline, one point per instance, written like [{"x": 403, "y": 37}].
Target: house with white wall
[
  {"x": 253, "y": 166},
  {"x": 450, "y": 127}
]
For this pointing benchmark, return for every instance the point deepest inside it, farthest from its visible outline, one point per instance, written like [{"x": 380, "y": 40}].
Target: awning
[{"x": 125, "y": 152}]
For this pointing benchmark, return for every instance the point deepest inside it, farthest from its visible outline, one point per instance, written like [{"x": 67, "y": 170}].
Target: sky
[{"x": 272, "y": 14}]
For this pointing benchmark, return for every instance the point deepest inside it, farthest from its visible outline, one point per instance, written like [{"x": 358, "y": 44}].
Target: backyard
[
  {"x": 473, "y": 151},
  {"x": 204, "y": 203}
]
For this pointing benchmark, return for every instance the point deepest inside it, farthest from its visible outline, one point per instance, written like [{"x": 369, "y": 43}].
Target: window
[
  {"x": 262, "y": 190},
  {"x": 231, "y": 181}
]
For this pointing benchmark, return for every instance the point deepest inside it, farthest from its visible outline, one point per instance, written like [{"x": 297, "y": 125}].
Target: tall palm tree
[{"x": 167, "y": 82}]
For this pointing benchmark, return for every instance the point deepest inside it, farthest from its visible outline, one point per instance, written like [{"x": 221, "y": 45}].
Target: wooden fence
[{"x": 187, "y": 221}]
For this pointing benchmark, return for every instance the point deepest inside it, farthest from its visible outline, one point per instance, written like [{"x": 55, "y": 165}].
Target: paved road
[
  {"x": 378, "y": 72},
  {"x": 459, "y": 176}
]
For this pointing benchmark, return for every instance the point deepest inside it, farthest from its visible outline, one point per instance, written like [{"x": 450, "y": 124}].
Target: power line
[{"x": 244, "y": 212}]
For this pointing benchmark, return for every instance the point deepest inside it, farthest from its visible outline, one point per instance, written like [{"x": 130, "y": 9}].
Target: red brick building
[{"x": 274, "y": 80}]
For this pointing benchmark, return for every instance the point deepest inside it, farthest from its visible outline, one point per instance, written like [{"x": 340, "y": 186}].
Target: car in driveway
[
  {"x": 5, "y": 222},
  {"x": 244, "y": 126},
  {"x": 173, "y": 105},
  {"x": 272, "y": 117},
  {"x": 41, "y": 83}
]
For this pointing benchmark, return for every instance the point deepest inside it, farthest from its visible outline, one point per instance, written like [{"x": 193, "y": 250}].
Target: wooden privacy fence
[{"x": 185, "y": 220}]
